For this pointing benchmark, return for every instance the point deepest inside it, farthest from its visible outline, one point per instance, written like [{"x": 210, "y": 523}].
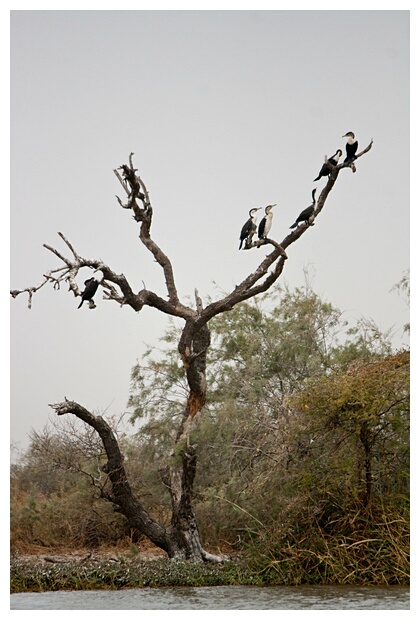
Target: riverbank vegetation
[
  {"x": 123, "y": 571},
  {"x": 303, "y": 460}
]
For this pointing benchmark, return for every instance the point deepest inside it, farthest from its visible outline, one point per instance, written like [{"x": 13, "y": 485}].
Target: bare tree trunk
[
  {"x": 181, "y": 538},
  {"x": 193, "y": 347}
]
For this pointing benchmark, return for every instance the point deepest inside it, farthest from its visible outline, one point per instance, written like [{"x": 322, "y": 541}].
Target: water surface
[{"x": 220, "y": 597}]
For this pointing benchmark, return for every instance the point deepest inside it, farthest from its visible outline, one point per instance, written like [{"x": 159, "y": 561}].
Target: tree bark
[{"x": 181, "y": 539}]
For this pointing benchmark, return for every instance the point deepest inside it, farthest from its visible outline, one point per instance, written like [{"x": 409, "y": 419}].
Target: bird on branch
[
  {"x": 129, "y": 175},
  {"x": 249, "y": 228},
  {"x": 91, "y": 286},
  {"x": 326, "y": 169},
  {"x": 351, "y": 147},
  {"x": 265, "y": 224},
  {"x": 307, "y": 213}
]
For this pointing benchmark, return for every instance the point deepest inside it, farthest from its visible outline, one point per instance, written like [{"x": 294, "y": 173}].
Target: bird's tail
[
  {"x": 81, "y": 303},
  {"x": 240, "y": 245},
  {"x": 317, "y": 178},
  {"x": 293, "y": 225}
]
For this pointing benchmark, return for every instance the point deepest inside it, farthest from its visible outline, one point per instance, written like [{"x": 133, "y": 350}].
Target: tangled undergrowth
[{"x": 349, "y": 549}]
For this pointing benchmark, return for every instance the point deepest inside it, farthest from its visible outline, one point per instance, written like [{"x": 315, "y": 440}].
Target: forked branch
[
  {"x": 250, "y": 286},
  {"x": 117, "y": 288}
]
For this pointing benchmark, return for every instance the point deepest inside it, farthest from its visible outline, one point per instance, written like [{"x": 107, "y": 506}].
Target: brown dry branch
[{"x": 132, "y": 184}]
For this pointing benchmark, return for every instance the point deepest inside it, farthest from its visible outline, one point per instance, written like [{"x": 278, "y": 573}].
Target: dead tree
[{"x": 181, "y": 538}]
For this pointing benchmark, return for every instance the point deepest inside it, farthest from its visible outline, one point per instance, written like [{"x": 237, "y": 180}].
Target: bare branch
[
  {"x": 144, "y": 216},
  {"x": 258, "y": 281},
  {"x": 248, "y": 287},
  {"x": 124, "y": 184},
  {"x": 259, "y": 242},
  {"x": 110, "y": 293},
  {"x": 369, "y": 146},
  {"x": 163, "y": 261},
  {"x": 126, "y": 296},
  {"x": 69, "y": 245},
  {"x": 48, "y": 278},
  {"x": 122, "y": 494},
  {"x": 133, "y": 185},
  {"x": 57, "y": 253}
]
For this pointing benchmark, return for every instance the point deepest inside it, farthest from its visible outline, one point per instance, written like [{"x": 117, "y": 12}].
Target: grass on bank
[
  {"x": 342, "y": 563},
  {"x": 110, "y": 574}
]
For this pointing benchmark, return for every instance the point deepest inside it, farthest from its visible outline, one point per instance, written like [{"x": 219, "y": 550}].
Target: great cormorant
[
  {"x": 265, "y": 224},
  {"x": 351, "y": 147},
  {"x": 250, "y": 226},
  {"x": 91, "y": 286},
  {"x": 326, "y": 170},
  {"x": 307, "y": 213}
]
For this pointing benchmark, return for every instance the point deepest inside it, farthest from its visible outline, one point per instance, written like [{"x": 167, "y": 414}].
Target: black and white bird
[
  {"x": 351, "y": 147},
  {"x": 250, "y": 226},
  {"x": 91, "y": 286},
  {"x": 265, "y": 224},
  {"x": 307, "y": 213},
  {"x": 333, "y": 160}
]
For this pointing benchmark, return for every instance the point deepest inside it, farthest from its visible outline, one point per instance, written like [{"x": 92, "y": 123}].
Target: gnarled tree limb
[{"x": 122, "y": 494}]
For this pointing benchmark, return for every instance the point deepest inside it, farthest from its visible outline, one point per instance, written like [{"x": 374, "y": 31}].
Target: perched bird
[
  {"x": 307, "y": 213},
  {"x": 351, "y": 147},
  {"x": 250, "y": 226},
  {"x": 326, "y": 170},
  {"x": 265, "y": 224},
  {"x": 91, "y": 286}
]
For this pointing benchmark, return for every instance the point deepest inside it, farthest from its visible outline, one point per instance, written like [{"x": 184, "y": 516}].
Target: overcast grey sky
[{"x": 224, "y": 110}]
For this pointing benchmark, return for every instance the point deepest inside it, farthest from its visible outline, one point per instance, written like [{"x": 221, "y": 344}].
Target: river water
[{"x": 220, "y": 597}]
